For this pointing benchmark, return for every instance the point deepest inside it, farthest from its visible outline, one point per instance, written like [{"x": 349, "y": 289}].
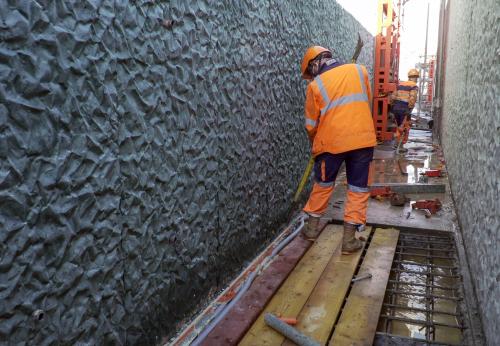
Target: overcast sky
[{"x": 413, "y": 33}]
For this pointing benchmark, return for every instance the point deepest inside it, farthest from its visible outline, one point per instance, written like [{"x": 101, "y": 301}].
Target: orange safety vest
[
  {"x": 337, "y": 110},
  {"x": 405, "y": 95}
]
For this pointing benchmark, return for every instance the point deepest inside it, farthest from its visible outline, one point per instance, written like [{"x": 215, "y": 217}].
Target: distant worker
[
  {"x": 402, "y": 102},
  {"x": 340, "y": 127}
]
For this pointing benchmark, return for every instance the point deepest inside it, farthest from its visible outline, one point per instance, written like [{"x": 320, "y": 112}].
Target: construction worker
[
  {"x": 402, "y": 102},
  {"x": 340, "y": 127}
]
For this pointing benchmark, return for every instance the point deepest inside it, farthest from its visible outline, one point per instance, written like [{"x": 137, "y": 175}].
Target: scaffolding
[{"x": 426, "y": 83}]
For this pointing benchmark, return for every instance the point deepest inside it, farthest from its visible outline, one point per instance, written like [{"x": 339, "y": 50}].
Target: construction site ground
[{"x": 419, "y": 292}]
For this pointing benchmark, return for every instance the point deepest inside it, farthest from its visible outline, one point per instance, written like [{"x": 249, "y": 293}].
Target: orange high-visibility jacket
[
  {"x": 406, "y": 92},
  {"x": 337, "y": 110}
]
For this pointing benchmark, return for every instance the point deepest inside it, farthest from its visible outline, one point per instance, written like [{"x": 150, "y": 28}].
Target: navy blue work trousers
[{"x": 357, "y": 163}]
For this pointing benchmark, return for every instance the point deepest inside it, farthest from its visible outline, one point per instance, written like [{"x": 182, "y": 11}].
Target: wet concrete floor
[
  {"x": 387, "y": 168},
  {"x": 414, "y": 274}
]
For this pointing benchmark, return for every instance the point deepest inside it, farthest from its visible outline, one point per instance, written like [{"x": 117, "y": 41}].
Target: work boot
[
  {"x": 311, "y": 229},
  {"x": 349, "y": 243}
]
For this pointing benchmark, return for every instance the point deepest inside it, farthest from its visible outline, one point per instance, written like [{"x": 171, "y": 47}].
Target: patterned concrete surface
[
  {"x": 147, "y": 150},
  {"x": 470, "y": 133}
]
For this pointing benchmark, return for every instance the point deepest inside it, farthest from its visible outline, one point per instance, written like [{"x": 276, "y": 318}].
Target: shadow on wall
[{"x": 142, "y": 162}]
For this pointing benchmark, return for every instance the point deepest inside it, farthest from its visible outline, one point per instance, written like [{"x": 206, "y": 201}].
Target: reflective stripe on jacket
[
  {"x": 337, "y": 110},
  {"x": 405, "y": 96}
]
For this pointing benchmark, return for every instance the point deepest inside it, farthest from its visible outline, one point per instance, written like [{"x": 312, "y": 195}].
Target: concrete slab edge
[
  {"x": 412, "y": 187},
  {"x": 474, "y": 333},
  {"x": 426, "y": 230},
  {"x": 383, "y": 339}
]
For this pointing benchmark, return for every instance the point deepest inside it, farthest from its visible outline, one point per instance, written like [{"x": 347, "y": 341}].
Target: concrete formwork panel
[
  {"x": 147, "y": 149},
  {"x": 471, "y": 139}
]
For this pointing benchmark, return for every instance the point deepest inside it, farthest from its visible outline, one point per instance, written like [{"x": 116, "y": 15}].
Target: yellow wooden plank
[
  {"x": 358, "y": 322},
  {"x": 293, "y": 294},
  {"x": 319, "y": 314}
]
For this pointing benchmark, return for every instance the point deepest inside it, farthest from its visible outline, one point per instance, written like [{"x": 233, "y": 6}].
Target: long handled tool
[
  {"x": 310, "y": 164},
  {"x": 303, "y": 181}
]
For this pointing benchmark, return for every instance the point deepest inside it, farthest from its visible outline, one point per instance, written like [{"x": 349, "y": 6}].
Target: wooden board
[
  {"x": 240, "y": 318},
  {"x": 293, "y": 294},
  {"x": 318, "y": 316},
  {"x": 358, "y": 322}
]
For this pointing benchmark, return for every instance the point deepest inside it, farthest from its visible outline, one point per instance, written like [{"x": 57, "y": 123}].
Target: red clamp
[
  {"x": 433, "y": 205},
  {"x": 381, "y": 192},
  {"x": 433, "y": 173}
]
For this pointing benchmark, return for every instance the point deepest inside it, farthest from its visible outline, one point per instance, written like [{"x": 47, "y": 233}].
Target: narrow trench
[
  {"x": 423, "y": 295},
  {"x": 422, "y": 301}
]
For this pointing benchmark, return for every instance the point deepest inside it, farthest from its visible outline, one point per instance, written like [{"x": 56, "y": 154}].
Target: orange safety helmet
[
  {"x": 311, "y": 54},
  {"x": 413, "y": 73}
]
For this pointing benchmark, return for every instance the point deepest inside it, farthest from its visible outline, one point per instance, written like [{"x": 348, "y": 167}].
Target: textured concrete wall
[
  {"x": 471, "y": 139},
  {"x": 141, "y": 164}
]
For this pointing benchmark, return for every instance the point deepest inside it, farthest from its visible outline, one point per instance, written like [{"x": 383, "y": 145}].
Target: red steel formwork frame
[{"x": 386, "y": 66}]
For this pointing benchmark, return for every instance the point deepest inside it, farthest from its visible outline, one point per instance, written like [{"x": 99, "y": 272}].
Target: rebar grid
[
  {"x": 429, "y": 302},
  {"x": 445, "y": 288},
  {"x": 414, "y": 236},
  {"x": 427, "y": 325},
  {"x": 437, "y": 266},
  {"x": 426, "y": 295},
  {"x": 443, "y": 241},
  {"x": 425, "y": 256},
  {"x": 402, "y": 340},
  {"x": 404, "y": 307},
  {"x": 436, "y": 253},
  {"x": 448, "y": 249},
  {"x": 393, "y": 298},
  {"x": 427, "y": 272}
]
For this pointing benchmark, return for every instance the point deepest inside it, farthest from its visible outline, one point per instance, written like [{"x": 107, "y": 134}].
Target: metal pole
[
  {"x": 288, "y": 331},
  {"x": 422, "y": 80}
]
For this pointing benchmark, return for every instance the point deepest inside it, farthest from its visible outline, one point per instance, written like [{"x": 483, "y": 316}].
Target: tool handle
[
  {"x": 303, "y": 181},
  {"x": 289, "y": 320}
]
